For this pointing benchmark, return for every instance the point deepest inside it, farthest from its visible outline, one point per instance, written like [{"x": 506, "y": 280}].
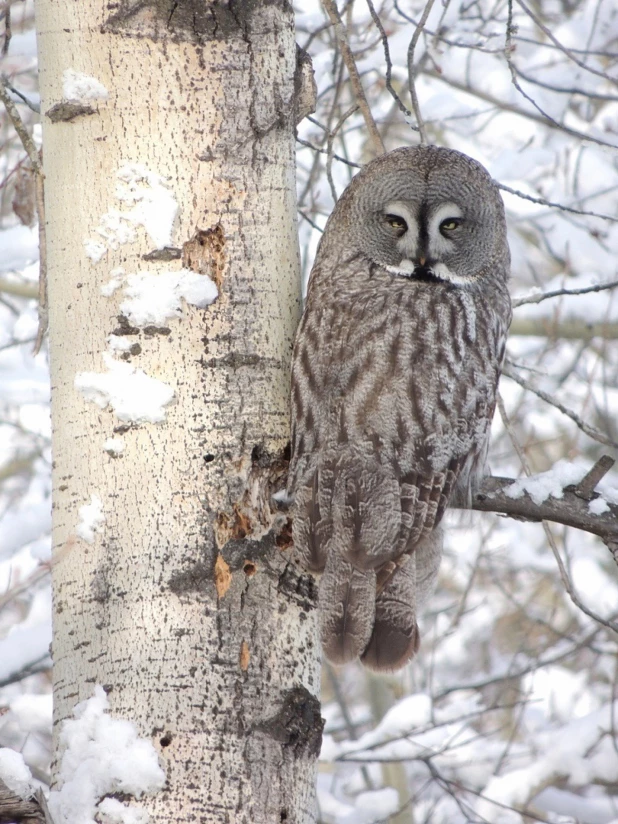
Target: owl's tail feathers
[
  {"x": 402, "y": 588},
  {"x": 347, "y": 602},
  {"x": 395, "y": 638}
]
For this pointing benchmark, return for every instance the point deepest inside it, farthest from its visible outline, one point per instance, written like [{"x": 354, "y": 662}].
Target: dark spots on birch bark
[{"x": 196, "y": 578}]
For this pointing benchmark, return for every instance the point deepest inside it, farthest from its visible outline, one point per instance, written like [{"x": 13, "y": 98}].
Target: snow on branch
[
  {"x": 554, "y": 496},
  {"x": 16, "y": 809}
]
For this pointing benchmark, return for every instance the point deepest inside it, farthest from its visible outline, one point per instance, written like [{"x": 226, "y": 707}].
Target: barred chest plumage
[{"x": 394, "y": 379}]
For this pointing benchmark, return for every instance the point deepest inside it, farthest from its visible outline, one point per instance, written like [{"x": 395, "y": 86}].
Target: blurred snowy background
[{"x": 509, "y": 713}]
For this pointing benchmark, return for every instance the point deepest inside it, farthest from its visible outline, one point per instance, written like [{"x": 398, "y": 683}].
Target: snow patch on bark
[
  {"x": 91, "y": 519},
  {"x": 100, "y": 755},
  {"x": 82, "y": 87},
  {"x": 155, "y": 298},
  {"x": 115, "y": 446},
  {"x": 132, "y": 394},
  {"x": 147, "y": 202}
]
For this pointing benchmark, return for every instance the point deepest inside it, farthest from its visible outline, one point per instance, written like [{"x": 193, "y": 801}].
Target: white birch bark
[{"x": 183, "y": 605}]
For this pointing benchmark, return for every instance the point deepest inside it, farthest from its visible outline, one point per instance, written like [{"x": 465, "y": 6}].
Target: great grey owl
[{"x": 394, "y": 376}]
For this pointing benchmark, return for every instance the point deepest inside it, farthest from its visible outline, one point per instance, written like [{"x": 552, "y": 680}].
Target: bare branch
[
  {"x": 568, "y": 52},
  {"x": 508, "y": 50},
  {"x": 35, "y": 160},
  {"x": 412, "y": 73},
  {"x": 20, "y": 290},
  {"x": 591, "y": 431},
  {"x": 542, "y": 202},
  {"x": 508, "y": 107},
  {"x": 585, "y": 488},
  {"x": 8, "y": 32},
  {"x": 388, "y": 61},
  {"x": 589, "y": 93},
  {"x": 324, "y": 151},
  {"x": 312, "y": 223},
  {"x": 565, "y": 329},
  {"x": 329, "y": 149},
  {"x": 18, "y": 125},
  {"x": 539, "y": 298},
  {"x": 41, "y": 664},
  {"x": 357, "y": 86},
  {"x": 33, "y": 106}
]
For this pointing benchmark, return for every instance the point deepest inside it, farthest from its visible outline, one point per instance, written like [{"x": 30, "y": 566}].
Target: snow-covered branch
[
  {"x": 14, "y": 810},
  {"x": 546, "y": 497}
]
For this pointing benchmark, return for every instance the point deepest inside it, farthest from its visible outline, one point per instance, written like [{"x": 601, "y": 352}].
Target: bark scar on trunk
[
  {"x": 204, "y": 253},
  {"x": 254, "y": 515},
  {"x": 68, "y": 110},
  {"x": 298, "y": 724}
]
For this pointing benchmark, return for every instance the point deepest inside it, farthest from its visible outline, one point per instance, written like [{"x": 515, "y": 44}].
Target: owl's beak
[{"x": 422, "y": 260}]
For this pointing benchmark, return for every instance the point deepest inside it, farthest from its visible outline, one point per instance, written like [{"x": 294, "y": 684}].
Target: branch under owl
[{"x": 573, "y": 509}]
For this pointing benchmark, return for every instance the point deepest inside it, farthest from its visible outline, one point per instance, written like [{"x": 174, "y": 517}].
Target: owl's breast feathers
[{"x": 393, "y": 391}]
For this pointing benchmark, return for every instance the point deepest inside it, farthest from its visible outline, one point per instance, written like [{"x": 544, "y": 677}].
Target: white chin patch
[
  {"x": 405, "y": 268},
  {"x": 439, "y": 270}
]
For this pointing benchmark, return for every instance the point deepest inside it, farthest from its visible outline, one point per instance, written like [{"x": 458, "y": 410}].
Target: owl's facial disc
[{"x": 425, "y": 238}]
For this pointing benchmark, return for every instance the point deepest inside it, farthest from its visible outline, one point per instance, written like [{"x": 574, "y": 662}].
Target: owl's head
[{"x": 423, "y": 213}]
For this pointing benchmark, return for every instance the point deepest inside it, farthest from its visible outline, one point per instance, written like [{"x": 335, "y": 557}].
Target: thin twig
[
  {"x": 8, "y": 32},
  {"x": 591, "y": 431},
  {"x": 542, "y": 202},
  {"x": 35, "y": 107},
  {"x": 515, "y": 675},
  {"x": 357, "y": 86},
  {"x": 412, "y": 73},
  {"x": 37, "y": 166},
  {"x": 347, "y": 718},
  {"x": 508, "y": 50},
  {"x": 41, "y": 664},
  {"x": 565, "y": 89},
  {"x": 39, "y": 193},
  {"x": 387, "y": 59},
  {"x": 309, "y": 221},
  {"x": 18, "y": 125},
  {"x": 539, "y": 298},
  {"x": 508, "y": 107},
  {"x": 334, "y": 156},
  {"x": 329, "y": 149},
  {"x": 570, "y": 54}
]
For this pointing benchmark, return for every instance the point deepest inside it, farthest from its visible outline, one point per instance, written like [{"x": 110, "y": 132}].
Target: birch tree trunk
[{"x": 175, "y": 593}]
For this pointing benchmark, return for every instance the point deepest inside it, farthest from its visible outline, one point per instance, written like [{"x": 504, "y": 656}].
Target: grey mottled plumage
[{"x": 394, "y": 377}]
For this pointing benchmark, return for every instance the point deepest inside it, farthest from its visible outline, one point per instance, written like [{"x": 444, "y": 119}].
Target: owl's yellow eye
[
  {"x": 449, "y": 224},
  {"x": 396, "y": 222}
]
